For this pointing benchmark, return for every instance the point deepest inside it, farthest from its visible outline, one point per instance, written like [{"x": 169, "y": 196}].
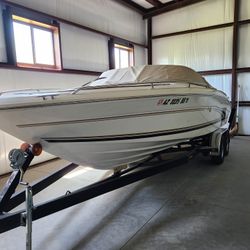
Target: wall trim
[
  {"x": 149, "y": 34},
  {"x": 62, "y": 71},
  {"x": 244, "y": 103},
  {"x": 212, "y": 27},
  {"x": 216, "y": 72},
  {"x": 97, "y": 73},
  {"x": 218, "y": 26}
]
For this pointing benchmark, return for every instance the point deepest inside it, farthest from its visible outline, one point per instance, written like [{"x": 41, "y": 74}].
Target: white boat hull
[{"x": 105, "y": 133}]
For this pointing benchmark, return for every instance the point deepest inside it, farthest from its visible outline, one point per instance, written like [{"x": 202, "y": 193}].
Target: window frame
[
  {"x": 35, "y": 20},
  {"x": 130, "y": 51},
  {"x": 33, "y": 24},
  {"x": 121, "y": 44}
]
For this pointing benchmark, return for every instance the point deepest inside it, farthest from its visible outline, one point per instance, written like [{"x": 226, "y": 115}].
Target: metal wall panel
[
  {"x": 244, "y": 42},
  {"x": 206, "y": 13},
  {"x": 221, "y": 82},
  {"x": 207, "y": 50},
  {"x": 104, "y": 15},
  {"x": 244, "y": 9},
  {"x": 244, "y": 118},
  {"x": 140, "y": 55},
  {"x": 84, "y": 50},
  {"x": 244, "y": 91}
]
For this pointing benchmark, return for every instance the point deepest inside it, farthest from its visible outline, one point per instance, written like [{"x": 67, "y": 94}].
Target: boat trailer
[{"x": 20, "y": 160}]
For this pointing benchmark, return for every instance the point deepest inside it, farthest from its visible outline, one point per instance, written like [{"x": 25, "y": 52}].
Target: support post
[
  {"x": 111, "y": 49},
  {"x": 235, "y": 52},
  {"x": 149, "y": 40},
  {"x": 9, "y": 36}
]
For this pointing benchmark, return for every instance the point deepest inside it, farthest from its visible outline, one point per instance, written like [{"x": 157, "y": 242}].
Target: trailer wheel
[
  {"x": 219, "y": 159},
  {"x": 227, "y": 143}
]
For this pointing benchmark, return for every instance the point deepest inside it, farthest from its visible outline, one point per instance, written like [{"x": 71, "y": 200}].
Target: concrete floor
[{"x": 195, "y": 206}]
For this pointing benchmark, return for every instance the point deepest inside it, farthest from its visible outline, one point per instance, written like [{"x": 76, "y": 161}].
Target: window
[
  {"x": 124, "y": 56},
  {"x": 36, "y": 44}
]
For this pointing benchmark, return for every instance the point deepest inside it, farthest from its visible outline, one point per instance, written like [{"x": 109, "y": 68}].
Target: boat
[{"x": 120, "y": 118}]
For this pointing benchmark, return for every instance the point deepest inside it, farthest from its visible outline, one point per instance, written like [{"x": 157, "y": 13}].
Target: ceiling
[{"x": 149, "y": 8}]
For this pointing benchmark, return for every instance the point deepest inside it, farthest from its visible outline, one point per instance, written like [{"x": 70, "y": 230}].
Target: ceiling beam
[
  {"x": 169, "y": 6},
  {"x": 155, "y": 3},
  {"x": 132, "y": 5}
]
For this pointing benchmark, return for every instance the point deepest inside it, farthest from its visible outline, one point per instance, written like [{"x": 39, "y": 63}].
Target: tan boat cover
[{"x": 152, "y": 74}]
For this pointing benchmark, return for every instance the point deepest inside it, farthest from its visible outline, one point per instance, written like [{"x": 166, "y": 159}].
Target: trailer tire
[
  {"x": 227, "y": 143},
  {"x": 219, "y": 159}
]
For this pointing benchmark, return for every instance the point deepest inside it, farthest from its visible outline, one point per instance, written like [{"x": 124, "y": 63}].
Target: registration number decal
[{"x": 173, "y": 101}]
